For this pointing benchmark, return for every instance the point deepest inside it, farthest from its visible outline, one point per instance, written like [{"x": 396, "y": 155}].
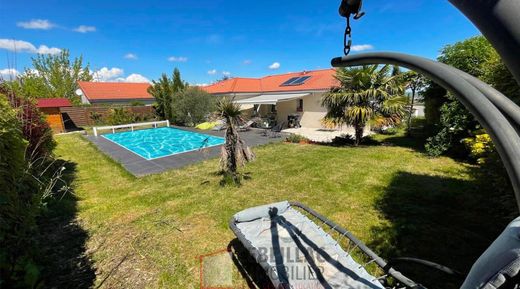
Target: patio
[
  {"x": 322, "y": 135},
  {"x": 139, "y": 166}
]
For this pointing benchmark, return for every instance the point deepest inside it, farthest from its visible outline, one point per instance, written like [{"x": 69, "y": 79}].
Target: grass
[{"x": 148, "y": 232}]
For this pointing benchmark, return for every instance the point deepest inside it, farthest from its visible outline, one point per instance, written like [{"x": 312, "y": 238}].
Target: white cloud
[
  {"x": 24, "y": 46},
  {"x": 247, "y": 62},
  {"x": 135, "y": 77},
  {"x": 226, "y": 73},
  {"x": 131, "y": 56},
  {"x": 85, "y": 29},
  {"x": 212, "y": 72},
  {"x": 178, "y": 59},
  {"x": 106, "y": 74},
  {"x": 36, "y": 24},
  {"x": 8, "y": 74},
  {"x": 275, "y": 65},
  {"x": 43, "y": 49},
  {"x": 116, "y": 74},
  {"x": 362, "y": 47}
]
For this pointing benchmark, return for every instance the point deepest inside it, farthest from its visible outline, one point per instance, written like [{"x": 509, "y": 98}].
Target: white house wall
[{"x": 313, "y": 112}]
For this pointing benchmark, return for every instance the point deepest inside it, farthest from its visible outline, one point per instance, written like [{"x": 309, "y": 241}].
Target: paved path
[{"x": 139, "y": 166}]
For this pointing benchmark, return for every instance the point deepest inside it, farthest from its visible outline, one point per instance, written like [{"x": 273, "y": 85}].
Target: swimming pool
[{"x": 162, "y": 142}]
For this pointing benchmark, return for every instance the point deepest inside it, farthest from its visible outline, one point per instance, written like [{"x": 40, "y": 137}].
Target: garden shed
[{"x": 51, "y": 108}]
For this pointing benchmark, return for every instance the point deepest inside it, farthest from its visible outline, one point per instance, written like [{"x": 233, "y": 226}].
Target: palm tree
[
  {"x": 235, "y": 152},
  {"x": 367, "y": 94}
]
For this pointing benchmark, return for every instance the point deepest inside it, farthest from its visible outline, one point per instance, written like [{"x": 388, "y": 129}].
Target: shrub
[
  {"x": 120, "y": 115},
  {"x": 18, "y": 207},
  {"x": 96, "y": 117},
  {"x": 454, "y": 125},
  {"x": 480, "y": 147},
  {"x": 392, "y": 130},
  {"x": 296, "y": 138},
  {"x": 34, "y": 127},
  {"x": 192, "y": 106},
  {"x": 477, "y": 57},
  {"x": 492, "y": 171},
  {"x": 136, "y": 103},
  {"x": 29, "y": 177}
]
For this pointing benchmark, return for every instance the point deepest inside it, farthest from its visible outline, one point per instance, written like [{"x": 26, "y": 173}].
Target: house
[
  {"x": 282, "y": 97},
  {"x": 51, "y": 108},
  {"x": 118, "y": 93}
]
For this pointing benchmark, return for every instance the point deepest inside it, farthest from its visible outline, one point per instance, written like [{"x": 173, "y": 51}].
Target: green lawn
[{"x": 149, "y": 232}]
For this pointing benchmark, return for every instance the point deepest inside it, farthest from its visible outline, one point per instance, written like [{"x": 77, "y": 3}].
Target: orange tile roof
[
  {"x": 114, "y": 90},
  {"x": 319, "y": 80},
  {"x": 53, "y": 102}
]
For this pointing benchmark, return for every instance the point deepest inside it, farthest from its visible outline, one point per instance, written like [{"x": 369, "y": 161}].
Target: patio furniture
[
  {"x": 247, "y": 126},
  {"x": 206, "y": 125},
  {"x": 266, "y": 125},
  {"x": 293, "y": 121},
  {"x": 295, "y": 252},
  {"x": 277, "y": 129}
]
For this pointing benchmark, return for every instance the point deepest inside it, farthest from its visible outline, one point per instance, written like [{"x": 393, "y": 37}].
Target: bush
[
  {"x": 492, "y": 171},
  {"x": 192, "y": 106},
  {"x": 136, "y": 103},
  {"x": 18, "y": 205},
  {"x": 33, "y": 125},
  {"x": 120, "y": 115},
  {"x": 96, "y": 117},
  {"x": 29, "y": 178},
  {"x": 296, "y": 138},
  {"x": 455, "y": 124}
]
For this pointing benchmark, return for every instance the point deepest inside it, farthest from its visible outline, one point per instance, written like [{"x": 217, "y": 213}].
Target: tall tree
[
  {"x": 235, "y": 152},
  {"x": 164, "y": 91},
  {"x": 55, "y": 76},
  {"x": 367, "y": 94},
  {"x": 415, "y": 82}
]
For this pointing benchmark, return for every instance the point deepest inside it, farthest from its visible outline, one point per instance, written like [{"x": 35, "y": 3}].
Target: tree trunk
[
  {"x": 409, "y": 126},
  {"x": 359, "y": 129},
  {"x": 231, "y": 148}
]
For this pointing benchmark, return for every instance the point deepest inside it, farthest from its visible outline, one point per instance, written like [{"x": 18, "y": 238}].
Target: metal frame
[
  {"x": 386, "y": 267},
  {"x": 495, "y": 112}
]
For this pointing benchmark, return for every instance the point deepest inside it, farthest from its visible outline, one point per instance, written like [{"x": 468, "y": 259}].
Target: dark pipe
[
  {"x": 504, "y": 135},
  {"x": 499, "y": 21}
]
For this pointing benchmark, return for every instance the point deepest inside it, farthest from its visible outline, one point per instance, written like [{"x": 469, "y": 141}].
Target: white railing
[{"x": 131, "y": 126}]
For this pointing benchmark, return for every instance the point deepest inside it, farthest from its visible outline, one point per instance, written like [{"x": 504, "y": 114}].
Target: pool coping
[{"x": 139, "y": 166}]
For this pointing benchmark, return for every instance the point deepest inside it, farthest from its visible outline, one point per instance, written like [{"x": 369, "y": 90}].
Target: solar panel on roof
[
  {"x": 290, "y": 81},
  {"x": 300, "y": 80}
]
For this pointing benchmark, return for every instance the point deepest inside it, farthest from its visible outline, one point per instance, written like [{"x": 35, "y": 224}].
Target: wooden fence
[{"x": 85, "y": 116}]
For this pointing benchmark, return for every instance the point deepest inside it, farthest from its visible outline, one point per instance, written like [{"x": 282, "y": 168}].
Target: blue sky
[{"x": 207, "y": 39}]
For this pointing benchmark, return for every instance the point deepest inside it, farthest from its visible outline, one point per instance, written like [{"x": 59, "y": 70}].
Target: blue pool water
[{"x": 161, "y": 142}]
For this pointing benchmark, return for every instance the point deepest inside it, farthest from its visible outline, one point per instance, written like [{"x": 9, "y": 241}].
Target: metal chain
[{"x": 347, "y": 38}]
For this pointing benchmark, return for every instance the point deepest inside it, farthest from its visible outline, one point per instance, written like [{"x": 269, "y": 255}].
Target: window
[
  {"x": 273, "y": 108},
  {"x": 299, "y": 106}
]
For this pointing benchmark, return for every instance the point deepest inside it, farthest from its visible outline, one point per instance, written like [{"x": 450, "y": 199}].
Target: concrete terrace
[{"x": 139, "y": 166}]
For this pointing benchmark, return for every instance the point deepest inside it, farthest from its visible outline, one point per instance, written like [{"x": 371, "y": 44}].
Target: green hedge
[{"x": 18, "y": 205}]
